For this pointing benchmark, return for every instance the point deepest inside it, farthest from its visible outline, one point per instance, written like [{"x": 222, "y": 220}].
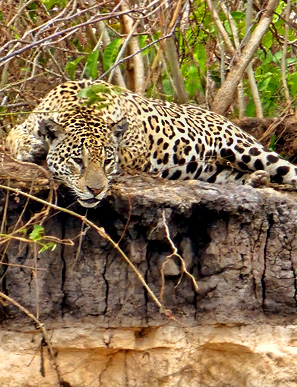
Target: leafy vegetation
[
  {"x": 47, "y": 42},
  {"x": 38, "y": 236}
]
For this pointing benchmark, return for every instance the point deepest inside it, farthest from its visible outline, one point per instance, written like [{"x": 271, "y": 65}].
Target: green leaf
[
  {"x": 237, "y": 15},
  {"x": 278, "y": 57},
  {"x": 167, "y": 89},
  {"x": 47, "y": 246},
  {"x": 272, "y": 142},
  {"x": 26, "y": 69},
  {"x": 291, "y": 60},
  {"x": 75, "y": 41},
  {"x": 16, "y": 35},
  {"x": 110, "y": 53},
  {"x": 269, "y": 82},
  {"x": 49, "y": 4},
  {"x": 143, "y": 40},
  {"x": 97, "y": 93},
  {"x": 192, "y": 80},
  {"x": 200, "y": 56},
  {"x": 267, "y": 40},
  {"x": 250, "y": 110},
  {"x": 292, "y": 83},
  {"x": 32, "y": 6},
  {"x": 99, "y": 88},
  {"x": 71, "y": 67},
  {"x": 1, "y": 15},
  {"x": 31, "y": 11},
  {"x": 227, "y": 27},
  {"x": 93, "y": 90},
  {"x": 92, "y": 64},
  {"x": 37, "y": 233}
]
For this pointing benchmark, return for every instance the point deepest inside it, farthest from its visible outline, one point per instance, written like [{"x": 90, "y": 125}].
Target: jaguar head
[{"x": 84, "y": 158}]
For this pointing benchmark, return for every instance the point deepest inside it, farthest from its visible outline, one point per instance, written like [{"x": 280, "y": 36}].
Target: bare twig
[
  {"x": 83, "y": 232},
  {"x": 220, "y": 26},
  {"x": 284, "y": 56},
  {"x": 225, "y": 95},
  {"x": 102, "y": 233},
  {"x": 277, "y": 122},
  {"x": 4, "y": 214},
  {"x": 23, "y": 266},
  {"x": 181, "y": 94},
  {"x": 39, "y": 325},
  {"x": 39, "y": 42},
  {"x": 118, "y": 77},
  {"x": 174, "y": 254},
  {"x": 123, "y": 48},
  {"x": 234, "y": 30},
  {"x": 250, "y": 72},
  {"x": 170, "y": 34},
  {"x": 19, "y": 12}
]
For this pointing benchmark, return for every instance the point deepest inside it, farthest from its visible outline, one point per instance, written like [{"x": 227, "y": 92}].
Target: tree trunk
[
  {"x": 226, "y": 94},
  {"x": 136, "y": 67},
  {"x": 181, "y": 95},
  {"x": 238, "y": 242}
]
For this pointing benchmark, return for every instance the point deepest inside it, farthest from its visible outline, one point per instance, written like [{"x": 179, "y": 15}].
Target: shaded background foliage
[{"x": 176, "y": 50}]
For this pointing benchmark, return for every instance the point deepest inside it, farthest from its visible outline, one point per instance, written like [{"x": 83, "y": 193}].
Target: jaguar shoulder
[{"x": 88, "y": 131}]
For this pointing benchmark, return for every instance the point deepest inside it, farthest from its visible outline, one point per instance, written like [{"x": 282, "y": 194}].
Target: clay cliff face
[
  {"x": 105, "y": 330},
  {"x": 156, "y": 356}
]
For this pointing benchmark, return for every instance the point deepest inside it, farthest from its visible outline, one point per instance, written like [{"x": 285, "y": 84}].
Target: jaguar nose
[{"x": 95, "y": 191}]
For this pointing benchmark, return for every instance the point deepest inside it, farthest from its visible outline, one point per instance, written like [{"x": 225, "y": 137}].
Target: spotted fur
[{"x": 88, "y": 135}]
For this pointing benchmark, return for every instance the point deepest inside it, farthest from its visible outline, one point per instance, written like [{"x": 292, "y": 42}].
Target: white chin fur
[{"x": 86, "y": 204}]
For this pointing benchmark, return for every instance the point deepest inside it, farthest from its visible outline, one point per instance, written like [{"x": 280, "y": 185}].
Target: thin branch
[
  {"x": 19, "y": 12},
  {"x": 59, "y": 33},
  {"x": 249, "y": 70},
  {"x": 277, "y": 122},
  {"x": 23, "y": 266},
  {"x": 118, "y": 77},
  {"x": 225, "y": 95},
  {"x": 170, "y": 34},
  {"x": 123, "y": 48},
  {"x": 181, "y": 94},
  {"x": 40, "y": 326},
  {"x": 220, "y": 26},
  {"x": 35, "y": 30},
  {"x": 284, "y": 56},
  {"x": 234, "y": 30},
  {"x": 176, "y": 254},
  {"x": 255, "y": 91},
  {"x": 103, "y": 234}
]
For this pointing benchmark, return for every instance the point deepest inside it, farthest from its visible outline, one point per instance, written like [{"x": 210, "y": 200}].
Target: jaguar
[{"x": 90, "y": 130}]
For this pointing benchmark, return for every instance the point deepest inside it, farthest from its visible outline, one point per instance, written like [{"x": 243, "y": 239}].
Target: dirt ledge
[{"x": 238, "y": 242}]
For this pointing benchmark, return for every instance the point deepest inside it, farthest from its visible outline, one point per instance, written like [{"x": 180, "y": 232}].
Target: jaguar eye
[
  {"x": 107, "y": 161},
  {"x": 78, "y": 161}
]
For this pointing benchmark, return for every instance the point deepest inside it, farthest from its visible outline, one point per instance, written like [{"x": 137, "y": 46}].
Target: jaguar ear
[
  {"x": 50, "y": 129},
  {"x": 120, "y": 127}
]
